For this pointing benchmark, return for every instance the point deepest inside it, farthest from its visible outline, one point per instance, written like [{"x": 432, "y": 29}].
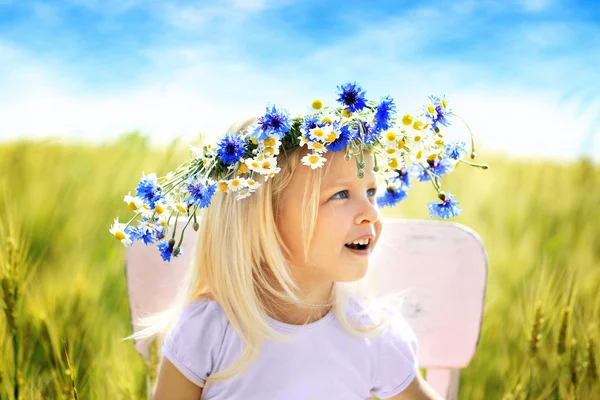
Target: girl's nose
[{"x": 369, "y": 212}]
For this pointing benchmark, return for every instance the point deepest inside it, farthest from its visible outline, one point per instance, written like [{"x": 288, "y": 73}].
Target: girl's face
[{"x": 347, "y": 212}]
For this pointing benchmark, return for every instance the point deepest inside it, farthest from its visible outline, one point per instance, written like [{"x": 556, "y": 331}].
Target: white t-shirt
[{"x": 321, "y": 362}]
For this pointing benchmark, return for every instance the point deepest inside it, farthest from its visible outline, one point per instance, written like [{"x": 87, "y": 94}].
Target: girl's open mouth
[{"x": 359, "y": 246}]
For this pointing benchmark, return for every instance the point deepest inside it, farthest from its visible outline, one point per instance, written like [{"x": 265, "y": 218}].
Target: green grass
[{"x": 540, "y": 223}]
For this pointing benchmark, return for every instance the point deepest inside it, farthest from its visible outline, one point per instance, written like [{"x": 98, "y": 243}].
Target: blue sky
[{"x": 524, "y": 73}]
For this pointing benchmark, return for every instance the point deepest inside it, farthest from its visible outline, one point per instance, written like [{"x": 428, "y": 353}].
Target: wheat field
[{"x": 64, "y": 293}]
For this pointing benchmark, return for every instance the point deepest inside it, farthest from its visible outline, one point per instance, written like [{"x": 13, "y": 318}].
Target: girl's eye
[{"x": 344, "y": 194}]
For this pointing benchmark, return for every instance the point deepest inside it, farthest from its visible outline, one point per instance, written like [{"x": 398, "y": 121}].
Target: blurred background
[{"x": 92, "y": 93}]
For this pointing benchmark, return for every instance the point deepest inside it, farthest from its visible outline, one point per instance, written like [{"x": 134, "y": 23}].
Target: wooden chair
[{"x": 440, "y": 267}]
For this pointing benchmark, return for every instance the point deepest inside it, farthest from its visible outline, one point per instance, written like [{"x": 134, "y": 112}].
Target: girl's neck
[
  {"x": 313, "y": 306},
  {"x": 298, "y": 314}
]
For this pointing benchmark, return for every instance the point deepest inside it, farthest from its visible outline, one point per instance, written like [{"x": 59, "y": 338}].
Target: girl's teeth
[{"x": 362, "y": 241}]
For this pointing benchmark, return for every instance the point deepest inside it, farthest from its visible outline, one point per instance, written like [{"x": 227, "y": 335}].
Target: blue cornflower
[
  {"x": 419, "y": 172},
  {"x": 370, "y": 133},
  {"x": 367, "y": 132},
  {"x": 310, "y": 122},
  {"x": 147, "y": 237},
  {"x": 391, "y": 197},
  {"x": 137, "y": 233},
  {"x": 436, "y": 167},
  {"x": 346, "y": 135},
  {"x": 443, "y": 167},
  {"x": 384, "y": 113},
  {"x": 200, "y": 195},
  {"x": 166, "y": 250},
  {"x": 403, "y": 179},
  {"x": 149, "y": 191},
  {"x": 276, "y": 123},
  {"x": 446, "y": 209},
  {"x": 352, "y": 97},
  {"x": 147, "y": 232},
  {"x": 456, "y": 150},
  {"x": 159, "y": 233},
  {"x": 441, "y": 112},
  {"x": 231, "y": 148},
  {"x": 133, "y": 232}
]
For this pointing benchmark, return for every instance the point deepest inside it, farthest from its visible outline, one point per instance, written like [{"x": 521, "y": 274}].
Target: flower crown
[{"x": 405, "y": 149}]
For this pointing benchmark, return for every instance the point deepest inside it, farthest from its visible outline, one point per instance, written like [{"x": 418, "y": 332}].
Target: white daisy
[
  {"x": 133, "y": 202},
  {"x": 252, "y": 163},
  {"x": 395, "y": 163},
  {"x": 270, "y": 151},
  {"x": 243, "y": 193},
  {"x": 320, "y": 133},
  {"x": 179, "y": 207},
  {"x": 272, "y": 141},
  {"x": 223, "y": 186},
  {"x": 390, "y": 138},
  {"x": 163, "y": 221},
  {"x": 432, "y": 111},
  {"x": 317, "y": 147},
  {"x": 262, "y": 165},
  {"x": 272, "y": 173},
  {"x": 419, "y": 148},
  {"x": 392, "y": 152},
  {"x": 236, "y": 184},
  {"x": 333, "y": 135},
  {"x": 313, "y": 160},
  {"x": 252, "y": 184},
  {"x": 118, "y": 231},
  {"x": 327, "y": 118},
  {"x": 160, "y": 206},
  {"x": 303, "y": 140}
]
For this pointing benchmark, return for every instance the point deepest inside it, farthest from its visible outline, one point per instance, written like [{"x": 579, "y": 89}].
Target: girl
[{"x": 273, "y": 307}]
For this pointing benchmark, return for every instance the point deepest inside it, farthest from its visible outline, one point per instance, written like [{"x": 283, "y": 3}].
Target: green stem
[
  {"x": 529, "y": 382},
  {"x": 130, "y": 221},
  {"x": 348, "y": 147},
  {"x": 482, "y": 166},
  {"x": 183, "y": 230},
  {"x": 174, "y": 226},
  {"x": 15, "y": 339},
  {"x": 471, "y": 133},
  {"x": 433, "y": 179},
  {"x": 355, "y": 150}
]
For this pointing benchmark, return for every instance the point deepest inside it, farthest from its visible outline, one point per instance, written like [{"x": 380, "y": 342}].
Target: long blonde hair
[{"x": 240, "y": 260}]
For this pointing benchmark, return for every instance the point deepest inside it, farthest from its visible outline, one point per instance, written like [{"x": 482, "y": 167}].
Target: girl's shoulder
[
  {"x": 201, "y": 308},
  {"x": 194, "y": 340},
  {"x": 395, "y": 333},
  {"x": 395, "y": 350}
]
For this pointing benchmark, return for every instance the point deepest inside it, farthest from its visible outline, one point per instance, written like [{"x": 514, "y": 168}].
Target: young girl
[{"x": 272, "y": 307}]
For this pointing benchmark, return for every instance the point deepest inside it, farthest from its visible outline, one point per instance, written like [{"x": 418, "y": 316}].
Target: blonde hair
[{"x": 240, "y": 261}]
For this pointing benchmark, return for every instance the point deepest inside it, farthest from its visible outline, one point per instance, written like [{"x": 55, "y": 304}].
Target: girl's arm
[
  {"x": 172, "y": 385},
  {"x": 418, "y": 389}
]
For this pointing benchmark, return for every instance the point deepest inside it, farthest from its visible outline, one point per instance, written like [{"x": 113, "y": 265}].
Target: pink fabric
[{"x": 441, "y": 268}]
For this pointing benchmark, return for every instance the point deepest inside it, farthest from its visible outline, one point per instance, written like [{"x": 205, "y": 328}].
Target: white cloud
[
  {"x": 208, "y": 96},
  {"x": 188, "y": 89},
  {"x": 536, "y": 5},
  {"x": 195, "y": 15}
]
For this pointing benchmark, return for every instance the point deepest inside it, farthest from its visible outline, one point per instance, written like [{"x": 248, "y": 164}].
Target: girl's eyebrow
[{"x": 337, "y": 183}]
